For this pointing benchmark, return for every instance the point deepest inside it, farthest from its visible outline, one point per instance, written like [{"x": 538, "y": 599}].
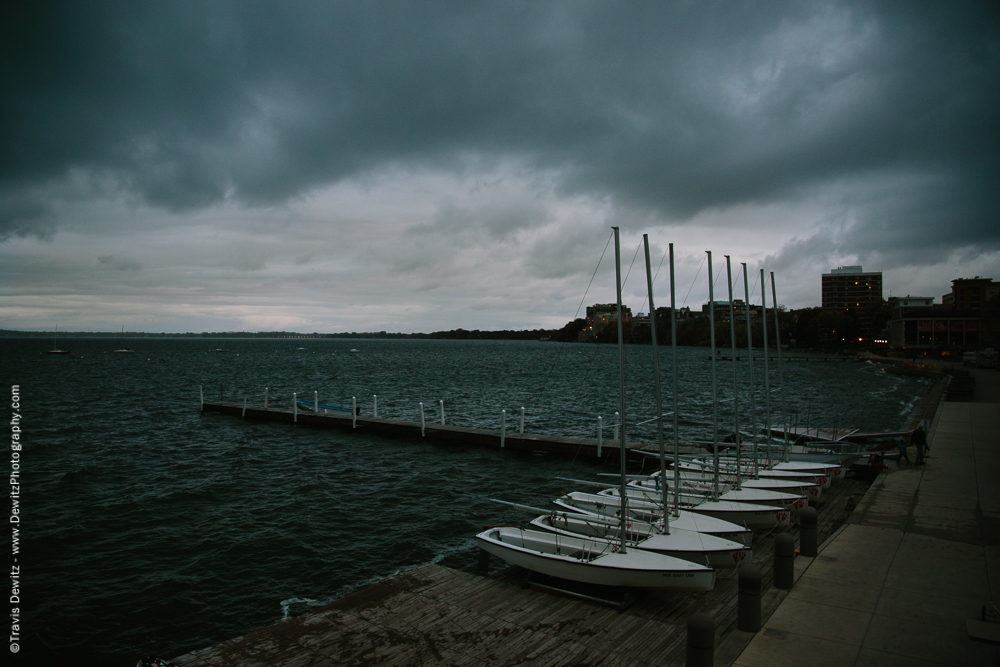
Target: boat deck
[{"x": 433, "y": 615}]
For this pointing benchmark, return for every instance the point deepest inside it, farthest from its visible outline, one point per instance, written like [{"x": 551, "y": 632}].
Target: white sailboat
[
  {"x": 593, "y": 561},
  {"x": 598, "y": 561}
]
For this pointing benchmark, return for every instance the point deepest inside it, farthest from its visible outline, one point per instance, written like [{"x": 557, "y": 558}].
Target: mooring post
[
  {"x": 600, "y": 434},
  {"x": 617, "y": 418},
  {"x": 316, "y": 402},
  {"x": 201, "y": 397},
  {"x": 244, "y": 415},
  {"x": 265, "y": 398},
  {"x": 422, "y": 419},
  {"x": 520, "y": 431},
  {"x": 375, "y": 405},
  {"x": 700, "y": 641},
  {"x": 807, "y": 531},
  {"x": 354, "y": 411},
  {"x": 295, "y": 408},
  {"x": 441, "y": 403},
  {"x": 748, "y": 611},
  {"x": 503, "y": 427},
  {"x": 784, "y": 561}
]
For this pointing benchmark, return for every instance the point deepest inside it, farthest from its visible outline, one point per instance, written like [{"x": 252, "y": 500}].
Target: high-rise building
[
  {"x": 850, "y": 287},
  {"x": 972, "y": 293}
]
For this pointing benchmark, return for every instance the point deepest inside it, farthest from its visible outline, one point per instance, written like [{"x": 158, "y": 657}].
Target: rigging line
[
  {"x": 698, "y": 273},
  {"x": 583, "y": 299},
  {"x": 627, "y": 273}
]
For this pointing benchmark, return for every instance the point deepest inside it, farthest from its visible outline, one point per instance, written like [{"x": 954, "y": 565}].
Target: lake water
[{"x": 149, "y": 527}]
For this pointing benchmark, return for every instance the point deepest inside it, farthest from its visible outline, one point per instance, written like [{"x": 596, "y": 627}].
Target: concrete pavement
[{"x": 918, "y": 559}]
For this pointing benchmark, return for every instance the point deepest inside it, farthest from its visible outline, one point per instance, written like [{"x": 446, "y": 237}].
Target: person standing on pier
[
  {"x": 902, "y": 452},
  {"x": 919, "y": 440}
]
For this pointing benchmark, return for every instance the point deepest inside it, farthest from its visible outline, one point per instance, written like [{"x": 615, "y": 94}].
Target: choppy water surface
[{"x": 152, "y": 528}]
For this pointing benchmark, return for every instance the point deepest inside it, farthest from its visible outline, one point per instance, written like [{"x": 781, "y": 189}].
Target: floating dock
[{"x": 604, "y": 449}]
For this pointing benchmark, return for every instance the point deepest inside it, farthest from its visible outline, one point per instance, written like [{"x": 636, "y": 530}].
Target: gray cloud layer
[{"x": 889, "y": 111}]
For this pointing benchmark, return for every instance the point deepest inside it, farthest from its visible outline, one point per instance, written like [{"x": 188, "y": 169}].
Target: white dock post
[
  {"x": 201, "y": 397},
  {"x": 520, "y": 431},
  {"x": 354, "y": 411},
  {"x": 503, "y": 427},
  {"x": 617, "y": 418},
  {"x": 316, "y": 402},
  {"x": 244, "y": 415},
  {"x": 422, "y": 425},
  {"x": 295, "y": 408},
  {"x": 375, "y": 405},
  {"x": 600, "y": 434},
  {"x": 265, "y": 398},
  {"x": 442, "y": 412}
]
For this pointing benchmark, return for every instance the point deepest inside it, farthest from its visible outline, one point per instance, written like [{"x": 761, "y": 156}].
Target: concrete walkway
[{"x": 917, "y": 559}]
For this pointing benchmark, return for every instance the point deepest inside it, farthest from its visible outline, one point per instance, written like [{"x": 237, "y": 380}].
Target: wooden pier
[
  {"x": 438, "y": 433},
  {"x": 433, "y": 615}
]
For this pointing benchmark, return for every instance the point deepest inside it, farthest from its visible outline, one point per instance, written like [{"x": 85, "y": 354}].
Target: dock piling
[
  {"x": 520, "y": 430},
  {"x": 244, "y": 415},
  {"x": 807, "y": 531},
  {"x": 375, "y": 405},
  {"x": 422, "y": 425},
  {"x": 503, "y": 427},
  {"x": 265, "y": 398},
  {"x": 784, "y": 561},
  {"x": 201, "y": 397},
  {"x": 617, "y": 419},
  {"x": 441, "y": 403},
  {"x": 748, "y": 609},
  {"x": 316, "y": 402},
  {"x": 295, "y": 408},
  {"x": 600, "y": 434},
  {"x": 354, "y": 411},
  {"x": 700, "y": 641}
]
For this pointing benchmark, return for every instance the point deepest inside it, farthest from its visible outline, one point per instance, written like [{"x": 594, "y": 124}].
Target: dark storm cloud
[{"x": 666, "y": 109}]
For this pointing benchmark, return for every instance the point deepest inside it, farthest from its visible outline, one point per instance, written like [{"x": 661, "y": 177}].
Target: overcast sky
[{"x": 335, "y": 166}]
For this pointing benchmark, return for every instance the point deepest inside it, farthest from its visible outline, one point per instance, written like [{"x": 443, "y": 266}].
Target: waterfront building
[
  {"x": 972, "y": 293},
  {"x": 851, "y": 288}
]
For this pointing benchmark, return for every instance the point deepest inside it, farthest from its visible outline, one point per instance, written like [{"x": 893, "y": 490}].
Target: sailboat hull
[{"x": 593, "y": 562}]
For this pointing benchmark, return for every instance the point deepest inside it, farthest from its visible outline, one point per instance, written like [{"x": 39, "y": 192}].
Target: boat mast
[
  {"x": 715, "y": 402},
  {"x": 781, "y": 377},
  {"x": 736, "y": 392},
  {"x": 621, "y": 375},
  {"x": 673, "y": 380},
  {"x": 753, "y": 402},
  {"x": 767, "y": 375},
  {"x": 659, "y": 394}
]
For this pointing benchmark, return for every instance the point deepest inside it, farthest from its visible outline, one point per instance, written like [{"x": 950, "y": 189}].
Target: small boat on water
[
  {"x": 123, "y": 348},
  {"x": 55, "y": 349},
  {"x": 593, "y": 561}
]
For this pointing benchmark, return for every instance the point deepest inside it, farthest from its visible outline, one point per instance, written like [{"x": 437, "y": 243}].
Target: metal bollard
[
  {"x": 748, "y": 610},
  {"x": 807, "y": 531},
  {"x": 784, "y": 561},
  {"x": 700, "y": 641}
]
